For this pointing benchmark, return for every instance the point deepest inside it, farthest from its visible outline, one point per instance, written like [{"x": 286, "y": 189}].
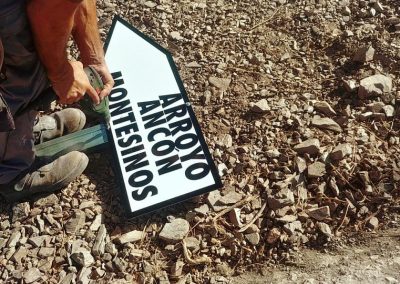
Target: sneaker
[
  {"x": 62, "y": 122},
  {"x": 49, "y": 178}
]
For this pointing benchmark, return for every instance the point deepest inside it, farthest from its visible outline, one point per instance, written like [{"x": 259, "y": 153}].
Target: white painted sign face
[{"x": 161, "y": 153}]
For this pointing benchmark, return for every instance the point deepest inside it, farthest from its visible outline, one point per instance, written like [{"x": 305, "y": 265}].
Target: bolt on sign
[{"x": 162, "y": 155}]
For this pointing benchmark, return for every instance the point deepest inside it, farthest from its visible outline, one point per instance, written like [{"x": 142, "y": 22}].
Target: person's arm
[
  {"x": 87, "y": 37},
  {"x": 52, "y": 23}
]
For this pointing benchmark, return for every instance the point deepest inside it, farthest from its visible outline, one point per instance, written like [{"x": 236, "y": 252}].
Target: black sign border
[{"x": 213, "y": 168}]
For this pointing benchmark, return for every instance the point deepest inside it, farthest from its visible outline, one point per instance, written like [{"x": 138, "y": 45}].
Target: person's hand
[
  {"x": 72, "y": 84},
  {"x": 106, "y": 77}
]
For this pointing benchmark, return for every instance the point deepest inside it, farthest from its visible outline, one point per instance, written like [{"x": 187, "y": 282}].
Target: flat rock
[
  {"x": 175, "y": 231},
  {"x": 96, "y": 222},
  {"x": 388, "y": 110},
  {"x": 20, "y": 254},
  {"x": 220, "y": 83},
  {"x": 230, "y": 198},
  {"x": 130, "y": 237},
  {"x": 316, "y": 170},
  {"x": 20, "y": 211},
  {"x": 350, "y": 85},
  {"x": 324, "y": 108},
  {"x": 76, "y": 222},
  {"x": 364, "y": 54},
  {"x": 48, "y": 200},
  {"x": 253, "y": 238},
  {"x": 45, "y": 252},
  {"x": 292, "y": 227},
  {"x": 310, "y": 146},
  {"x": 373, "y": 223},
  {"x": 375, "y": 85},
  {"x": 324, "y": 229},
  {"x": 225, "y": 140},
  {"x": 341, "y": 151},
  {"x": 37, "y": 241},
  {"x": 100, "y": 241},
  {"x": 32, "y": 275},
  {"x": 320, "y": 213},
  {"x": 213, "y": 198},
  {"x": 261, "y": 106},
  {"x": 83, "y": 258},
  {"x": 326, "y": 123},
  {"x": 14, "y": 238}
]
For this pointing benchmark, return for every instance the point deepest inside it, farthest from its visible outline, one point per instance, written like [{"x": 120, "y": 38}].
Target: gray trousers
[{"x": 25, "y": 80}]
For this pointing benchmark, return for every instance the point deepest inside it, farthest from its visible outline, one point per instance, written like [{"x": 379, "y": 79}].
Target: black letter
[
  {"x": 126, "y": 129},
  {"x": 181, "y": 125},
  {"x": 148, "y": 106},
  {"x": 188, "y": 136},
  {"x": 120, "y": 108},
  {"x": 156, "y": 118},
  {"x": 117, "y": 80},
  {"x": 168, "y": 165},
  {"x": 145, "y": 178},
  {"x": 156, "y": 131},
  {"x": 113, "y": 97},
  {"x": 156, "y": 148},
  {"x": 128, "y": 142},
  {"x": 198, "y": 166},
  {"x": 149, "y": 189},
  {"x": 177, "y": 111},
  {"x": 135, "y": 162},
  {"x": 194, "y": 155},
  {"x": 170, "y": 99}
]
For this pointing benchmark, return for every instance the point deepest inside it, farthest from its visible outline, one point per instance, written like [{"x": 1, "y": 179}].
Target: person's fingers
[
  {"x": 106, "y": 90},
  {"x": 93, "y": 94}
]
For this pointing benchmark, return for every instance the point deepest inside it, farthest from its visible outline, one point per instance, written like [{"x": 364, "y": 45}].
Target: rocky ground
[{"x": 298, "y": 101}]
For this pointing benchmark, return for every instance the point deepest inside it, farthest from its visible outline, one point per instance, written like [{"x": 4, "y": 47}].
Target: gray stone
[
  {"x": 220, "y": 83},
  {"x": 301, "y": 164},
  {"x": 130, "y": 237},
  {"x": 320, "y": 213},
  {"x": 192, "y": 244},
  {"x": 292, "y": 227},
  {"x": 231, "y": 197},
  {"x": 32, "y": 275},
  {"x": 49, "y": 200},
  {"x": 96, "y": 222},
  {"x": 20, "y": 211},
  {"x": 375, "y": 107},
  {"x": 100, "y": 242},
  {"x": 284, "y": 197},
  {"x": 316, "y": 170},
  {"x": 326, "y": 123},
  {"x": 324, "y": 229},
  {"x": 325, "y": 108},
  {"x": 373, "y": 223},
  {"x": 253, "y": 238},
  {"x": 310, "y": 146},
  {"x": 83, "y": 257},
  {"x": 341, "y": 151},
  {"x": 213, "y": 198},
  {"x": 14, "y": 238},
  {"x": 261, "y": 106},
  {"x": 375, "y": 85},
  {"x": 364, "y": 54},
  {"x": 287, "y": 219},
  {"x": 225, "y": 140},
  {"x": 350, "y": 85},
  {"x": 84, "y": 275},
  {"x": 37, "y": 241},
  {"x": 20, "y": 254},
  {"x": 388, "y": 110},
  {"x": 75, "y": 223},
  {"x": 175, "y": 231},
  {"x": 45, "y": 252}
]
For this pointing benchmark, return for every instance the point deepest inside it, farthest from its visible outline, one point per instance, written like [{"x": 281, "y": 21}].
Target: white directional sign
[{"x": 162, "y": 156}]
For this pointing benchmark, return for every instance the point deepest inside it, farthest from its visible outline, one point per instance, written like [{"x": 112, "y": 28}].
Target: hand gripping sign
[
  {"x": 161, "y": 152},
  {"x": 161, "y": 155}
]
